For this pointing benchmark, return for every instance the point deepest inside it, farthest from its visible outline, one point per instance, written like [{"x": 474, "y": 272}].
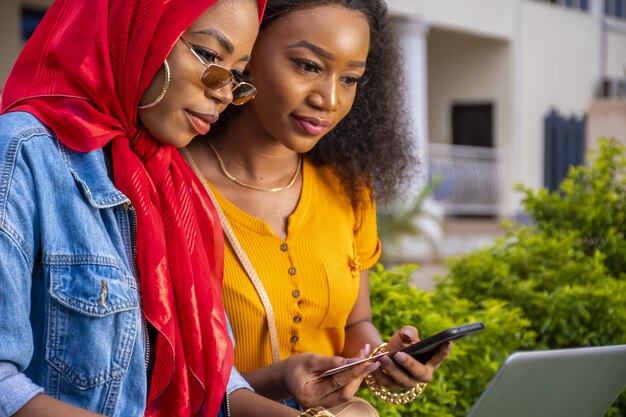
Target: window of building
[
  {"x": 615, "y": 8},
  {"x": 472, "y": 124},
  {"x": 31, "y": 16},
  {"x": 574, "y": 4}
]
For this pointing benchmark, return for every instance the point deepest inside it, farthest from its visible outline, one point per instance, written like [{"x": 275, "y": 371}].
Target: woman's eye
[
  {"x": 307, "y": 66},
  {"x": 355, "y": 81},
  {"x": 350, "y": 81},
  {"x": 206, "y": 54},
  {"x": 241, "y": 76}
]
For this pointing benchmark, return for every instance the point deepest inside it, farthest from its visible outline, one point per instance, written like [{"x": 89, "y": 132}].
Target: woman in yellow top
[{"x": 296, "y": 171}]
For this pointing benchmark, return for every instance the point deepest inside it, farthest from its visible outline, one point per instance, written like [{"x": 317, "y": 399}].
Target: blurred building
[
  {"x": 18, "y": 20},
  {"x": 511, "y": 91},
  {"x": 502, "y": 91}
]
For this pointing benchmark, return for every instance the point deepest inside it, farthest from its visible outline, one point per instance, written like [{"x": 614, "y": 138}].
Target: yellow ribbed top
[{"x": 311, "y": 278}]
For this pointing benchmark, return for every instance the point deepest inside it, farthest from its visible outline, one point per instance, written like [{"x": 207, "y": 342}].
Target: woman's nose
[
  {"x": 325, "y": 96},
  {"x": 223, "y": 95}
]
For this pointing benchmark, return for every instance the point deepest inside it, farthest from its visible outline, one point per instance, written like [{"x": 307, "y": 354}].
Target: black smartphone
[
  {"x": 422, "y": 350},
  {"x": 425, "y": 349}
]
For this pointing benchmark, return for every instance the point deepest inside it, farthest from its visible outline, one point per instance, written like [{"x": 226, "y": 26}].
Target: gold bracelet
[
  {"x": 390, "y": 396},
  {"x": 316, "y": 412}
]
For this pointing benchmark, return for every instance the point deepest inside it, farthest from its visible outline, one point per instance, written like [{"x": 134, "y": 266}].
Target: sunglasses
[{"x": 215, "y": 77}]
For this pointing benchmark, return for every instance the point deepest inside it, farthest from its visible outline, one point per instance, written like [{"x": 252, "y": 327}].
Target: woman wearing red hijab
[{"x": 111, "y": 265}]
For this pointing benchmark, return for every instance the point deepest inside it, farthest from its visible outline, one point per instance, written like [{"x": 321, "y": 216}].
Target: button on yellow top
[{"x": 329, "y": 242}]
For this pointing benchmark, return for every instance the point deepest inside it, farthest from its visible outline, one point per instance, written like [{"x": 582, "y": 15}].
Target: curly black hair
[{"x": 371, "y": 150}]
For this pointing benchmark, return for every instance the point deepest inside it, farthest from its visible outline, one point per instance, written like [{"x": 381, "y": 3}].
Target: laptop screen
[{"x": 578, "y": 382}]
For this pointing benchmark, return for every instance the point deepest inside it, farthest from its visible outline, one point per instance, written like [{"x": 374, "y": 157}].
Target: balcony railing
[
  {"x": 576, "y": 4},
  {"x": 468, "y": 178}
]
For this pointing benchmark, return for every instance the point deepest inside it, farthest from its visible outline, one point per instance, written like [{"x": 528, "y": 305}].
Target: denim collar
[{"x": 90, "y": 172}]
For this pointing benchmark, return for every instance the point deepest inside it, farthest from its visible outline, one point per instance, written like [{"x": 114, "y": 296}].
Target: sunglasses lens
[
  {"x": 216, "y": 77},
  {"x": 243, "y": 93}
]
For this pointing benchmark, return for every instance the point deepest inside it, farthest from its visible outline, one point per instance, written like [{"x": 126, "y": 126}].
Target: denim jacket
[{"x": 71, "y": 324}]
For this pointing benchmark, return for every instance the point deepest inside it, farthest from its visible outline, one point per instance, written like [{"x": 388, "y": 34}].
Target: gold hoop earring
[{"x": 166, "y": 86}]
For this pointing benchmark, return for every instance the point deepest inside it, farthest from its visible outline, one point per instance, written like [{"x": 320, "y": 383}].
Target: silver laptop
[{"x": 579, "y": 382}]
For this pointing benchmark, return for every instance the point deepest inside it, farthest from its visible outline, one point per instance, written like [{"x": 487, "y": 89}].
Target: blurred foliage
[
  {"x": 557, "y": 283},
  {"x": 566, "y": 271},
  {"x": 473, "y": 361},
  {"x": 395, "y": 222}
]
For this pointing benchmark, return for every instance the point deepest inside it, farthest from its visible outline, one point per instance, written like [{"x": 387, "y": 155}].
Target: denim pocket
[{"x": 92, "y": 323}]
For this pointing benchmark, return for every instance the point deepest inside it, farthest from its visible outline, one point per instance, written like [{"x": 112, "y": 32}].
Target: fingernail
[
  {"x": 352, "y": 360},
  {"x": 371, "y": 367},
  {"x": 401, "y": 357},
  {"x": 367, "y": 349},
  {"x": 408, "y": 334}
]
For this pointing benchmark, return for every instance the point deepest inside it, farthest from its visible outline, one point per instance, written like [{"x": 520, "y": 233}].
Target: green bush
[
  {"x": 473, "y": 361},
  {"x": 570, "y": 298},
  {"x": 567, "y": 271},
  {"x": 558, "y": 283}
]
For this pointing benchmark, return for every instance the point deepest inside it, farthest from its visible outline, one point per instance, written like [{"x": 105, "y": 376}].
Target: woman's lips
[
  {"x": 200, "y": 122},
  {"x": 312, "y": 125}
]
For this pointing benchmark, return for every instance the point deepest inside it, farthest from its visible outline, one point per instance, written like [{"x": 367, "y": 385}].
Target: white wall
[
  {"x": 412, "y": 36},
  {"x": 616, "y": 53},
  {"x": 560, "y": 68},
  {"x": 467, "y": 69},
  {"x": 607, "y": 119},
  {"x": 487, "y": 17},
  {"x": 525, "y": 56}
]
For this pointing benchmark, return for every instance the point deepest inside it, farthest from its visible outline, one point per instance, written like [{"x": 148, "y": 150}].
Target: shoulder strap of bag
[{"x": 243, "y": 259}]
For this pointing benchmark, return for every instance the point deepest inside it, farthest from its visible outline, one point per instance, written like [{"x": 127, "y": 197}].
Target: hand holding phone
[{"x": 423, "y": 350}]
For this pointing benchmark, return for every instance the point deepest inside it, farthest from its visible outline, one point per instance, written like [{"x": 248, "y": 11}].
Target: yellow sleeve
[{"x": 368, "y": 246}]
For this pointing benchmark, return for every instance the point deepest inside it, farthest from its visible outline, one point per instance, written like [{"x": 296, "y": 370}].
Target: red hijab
[{"x": 82, "y": 74}]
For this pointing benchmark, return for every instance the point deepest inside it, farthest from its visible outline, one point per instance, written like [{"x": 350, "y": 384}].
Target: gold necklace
[{"x": 252, "y": 187}]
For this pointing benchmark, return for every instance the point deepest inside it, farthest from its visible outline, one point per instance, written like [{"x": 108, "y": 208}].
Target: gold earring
[{"x": 166, "y": 86}]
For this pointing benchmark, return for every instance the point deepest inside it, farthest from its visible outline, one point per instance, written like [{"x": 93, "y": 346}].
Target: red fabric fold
[{"x": 82, "y": 74}]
